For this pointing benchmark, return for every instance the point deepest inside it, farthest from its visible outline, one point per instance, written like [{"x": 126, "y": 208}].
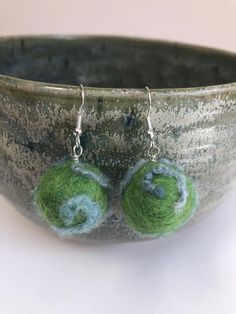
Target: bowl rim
[{"x": 38, "y": 87}]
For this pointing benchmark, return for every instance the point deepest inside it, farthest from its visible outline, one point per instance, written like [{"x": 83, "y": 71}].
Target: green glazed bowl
[{"x": 194, "y": 113}]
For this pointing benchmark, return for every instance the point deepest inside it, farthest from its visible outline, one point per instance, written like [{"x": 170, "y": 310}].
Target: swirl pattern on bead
[
  {"x": 80, "y": 215},
  {"x": 159, "y": 190}
]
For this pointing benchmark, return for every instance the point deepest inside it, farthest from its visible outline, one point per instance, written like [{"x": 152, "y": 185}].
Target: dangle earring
[
  {"x": 157, "y": 197},
  {"x": 72, "y": 195}
]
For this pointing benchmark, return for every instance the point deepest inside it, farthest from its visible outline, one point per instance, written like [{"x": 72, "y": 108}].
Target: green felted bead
[
  {"x": 72, "y": 197},
  {"x": 157, "y": 197}
]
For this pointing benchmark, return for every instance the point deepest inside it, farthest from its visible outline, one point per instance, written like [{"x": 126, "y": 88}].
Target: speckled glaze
[{"x": 194, "y": 113}]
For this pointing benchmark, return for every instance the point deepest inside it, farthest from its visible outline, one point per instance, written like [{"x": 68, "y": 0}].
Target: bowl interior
[{"x": 114, "y": 62}]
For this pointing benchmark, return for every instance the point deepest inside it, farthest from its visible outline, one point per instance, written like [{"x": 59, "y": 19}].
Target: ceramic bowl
[{"x": 194, "y": 113}]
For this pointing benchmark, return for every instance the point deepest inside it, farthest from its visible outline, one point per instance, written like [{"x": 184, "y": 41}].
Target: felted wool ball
[
  {"x": 73, "y": 197},
  {"x": 157, "y": 197}
]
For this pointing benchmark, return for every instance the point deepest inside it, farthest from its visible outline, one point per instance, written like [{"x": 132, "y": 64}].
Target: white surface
[
  {"x": 208, "y": 22},
  {"x": 191, "y": 272}
]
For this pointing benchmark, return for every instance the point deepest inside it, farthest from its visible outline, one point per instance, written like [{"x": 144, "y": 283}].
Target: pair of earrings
[{"x": 156, "y": 195}]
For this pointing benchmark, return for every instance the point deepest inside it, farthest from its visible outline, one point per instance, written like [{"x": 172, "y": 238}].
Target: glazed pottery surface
[{"x": 194, "y": 113}]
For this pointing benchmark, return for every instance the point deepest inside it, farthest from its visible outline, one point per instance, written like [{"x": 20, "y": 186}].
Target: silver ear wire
[
  {"x": 82, "y": 96},
  {"x": 154, "y": 150},
  {"x": 78, "y": 149}
]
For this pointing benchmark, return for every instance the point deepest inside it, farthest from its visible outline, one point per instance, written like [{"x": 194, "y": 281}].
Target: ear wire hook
[
  {"x": 82, "y": 96},
  {"x": 150, "y": 99},
  {"x": 78, "y": 149},
  {"x": 154, "y": 150}
]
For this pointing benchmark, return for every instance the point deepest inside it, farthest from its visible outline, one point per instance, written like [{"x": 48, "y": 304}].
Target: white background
[{"x": 191, "y": 272}]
